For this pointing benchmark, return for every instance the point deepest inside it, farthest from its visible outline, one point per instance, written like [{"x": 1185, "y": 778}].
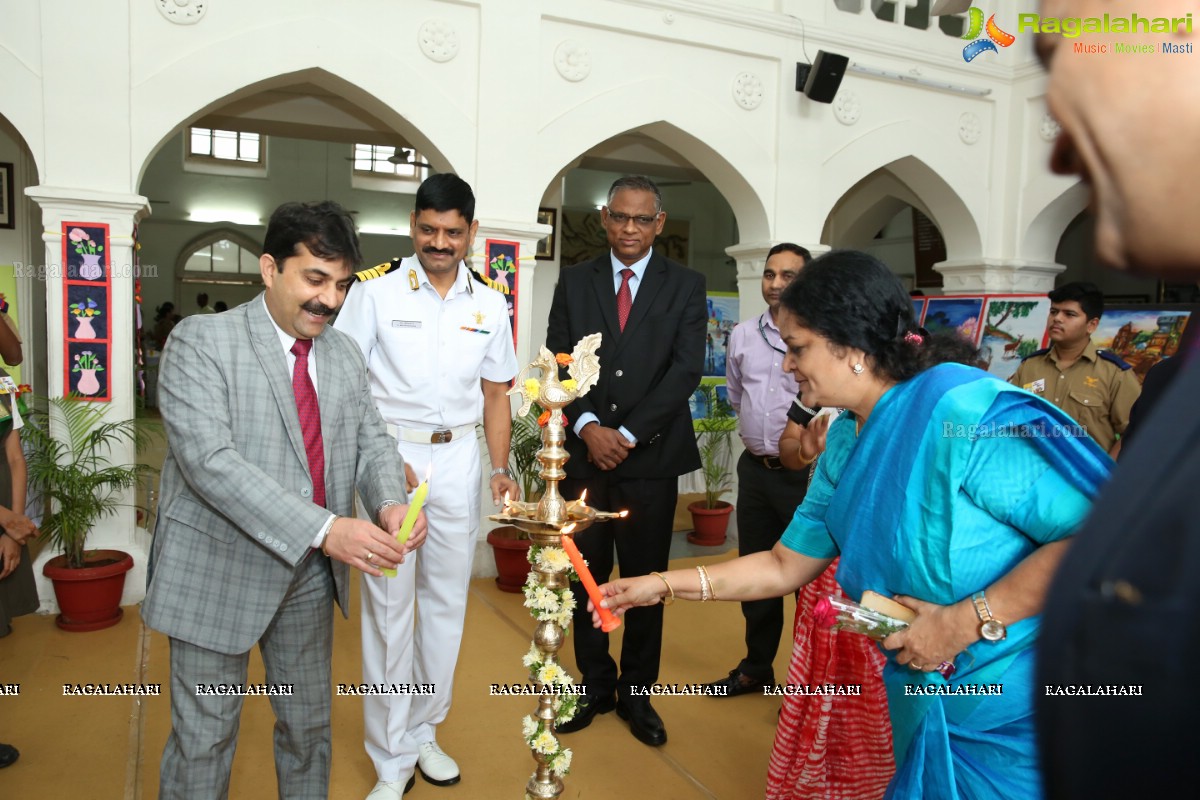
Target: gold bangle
[
  {"x": 666, "y": 600},
  {"x": 706, "y": 585}
]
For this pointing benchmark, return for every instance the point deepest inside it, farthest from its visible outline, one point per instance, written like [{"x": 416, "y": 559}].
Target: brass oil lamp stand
[{"x": 548, "y": 522}]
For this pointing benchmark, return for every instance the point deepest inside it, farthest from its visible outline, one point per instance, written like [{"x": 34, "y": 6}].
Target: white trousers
[{"x": 430, "y": 593}]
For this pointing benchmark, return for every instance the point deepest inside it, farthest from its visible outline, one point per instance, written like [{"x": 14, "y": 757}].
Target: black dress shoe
[
  {"x": 8, "y": 754},
  {"x": 587, "y": 709},
  {"x": 736, "y": 683},
  {"x": 644, "y": 722}
]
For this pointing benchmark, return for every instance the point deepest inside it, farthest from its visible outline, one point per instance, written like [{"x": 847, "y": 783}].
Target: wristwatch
[
  {"x": 501, "y": 471},
  {"x": 991, "y": 629}
]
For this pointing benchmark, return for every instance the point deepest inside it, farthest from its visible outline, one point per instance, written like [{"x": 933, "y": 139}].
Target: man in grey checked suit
[{"x": 242, "y": 554}]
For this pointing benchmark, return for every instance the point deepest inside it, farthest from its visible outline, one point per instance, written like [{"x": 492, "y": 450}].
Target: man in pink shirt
[{"x": 768, "y": 493}]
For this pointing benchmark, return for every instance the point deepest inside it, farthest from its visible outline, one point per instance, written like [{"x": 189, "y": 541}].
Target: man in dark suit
[
  {"x": 270, "y": 430},
  {"x": 1118, "y": 710},
  {"x": 631, "y": 435}
]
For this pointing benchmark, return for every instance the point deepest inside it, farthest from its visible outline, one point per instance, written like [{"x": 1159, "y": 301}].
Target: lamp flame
[{"x": 567, "y": 529}]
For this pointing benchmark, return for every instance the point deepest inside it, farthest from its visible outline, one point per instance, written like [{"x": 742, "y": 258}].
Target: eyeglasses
[{"x": 642, "y": 220}]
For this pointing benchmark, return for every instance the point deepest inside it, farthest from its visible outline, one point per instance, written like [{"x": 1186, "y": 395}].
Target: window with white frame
[
  {"x": 237, "y": 147},
  {"x": 223, "y": 258}
]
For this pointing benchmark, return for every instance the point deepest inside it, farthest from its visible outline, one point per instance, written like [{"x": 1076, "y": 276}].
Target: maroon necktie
[
  {"x": 624, "y": 297},
  {"x": 310, "y": 418}
]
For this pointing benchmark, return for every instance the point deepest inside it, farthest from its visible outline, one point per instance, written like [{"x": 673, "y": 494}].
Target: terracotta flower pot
[
  {"x": 512, "y": 557},
  {"x": 89, "y": 598},
  {"x": 709, "y": 524}
]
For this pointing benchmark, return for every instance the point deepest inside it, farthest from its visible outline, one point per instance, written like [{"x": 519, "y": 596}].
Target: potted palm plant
[
  {"x": 510, "y": 544},
  {"x": 714, "y": 438},
  {"x": 81, "y": 486}
]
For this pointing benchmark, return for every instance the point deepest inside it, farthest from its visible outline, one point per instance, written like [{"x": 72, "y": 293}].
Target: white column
[
  {"x": 120, "y": 212},
  {"x": 997, "y": 276}
]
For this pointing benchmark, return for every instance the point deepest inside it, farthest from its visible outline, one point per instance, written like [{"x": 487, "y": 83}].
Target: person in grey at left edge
[{"x": 270, "y": 430}]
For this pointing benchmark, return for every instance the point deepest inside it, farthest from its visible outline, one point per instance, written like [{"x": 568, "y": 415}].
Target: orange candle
[{"x": 608, "y": 620}]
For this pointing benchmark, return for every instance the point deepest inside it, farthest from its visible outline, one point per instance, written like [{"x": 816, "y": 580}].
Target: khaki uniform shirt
[{"x": 1096, "y": 392}]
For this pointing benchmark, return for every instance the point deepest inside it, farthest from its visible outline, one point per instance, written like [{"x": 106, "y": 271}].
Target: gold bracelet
[
  {"x": 706, "y": 584},
  {"x": 666, "y": 600}
]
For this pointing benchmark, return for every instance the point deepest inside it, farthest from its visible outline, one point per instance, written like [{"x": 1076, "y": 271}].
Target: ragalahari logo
[{"x": 975, "y": 28}]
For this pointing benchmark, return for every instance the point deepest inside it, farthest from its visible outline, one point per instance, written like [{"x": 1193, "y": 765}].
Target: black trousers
[
  {"x": 766, "y": 501},
  {"x": 643, "y": 545}
]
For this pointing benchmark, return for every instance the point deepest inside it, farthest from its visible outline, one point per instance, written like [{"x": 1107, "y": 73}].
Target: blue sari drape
[{"x": 953, "y": 480}]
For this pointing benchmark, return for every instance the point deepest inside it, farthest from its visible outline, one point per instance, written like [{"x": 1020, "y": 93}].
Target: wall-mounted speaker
[{"x": 825, "y": 76}]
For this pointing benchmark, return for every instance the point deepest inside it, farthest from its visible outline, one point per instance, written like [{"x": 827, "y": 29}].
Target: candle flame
[
  {"x": 567, "y": 529},
  {"x": 506, "y": 500},
  {"x": 623, "y": 513},
  {"x": 428, "y": 472},
  {"x": 583, "y": 498}
]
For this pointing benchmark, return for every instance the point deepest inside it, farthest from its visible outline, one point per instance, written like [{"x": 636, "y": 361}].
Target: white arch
[
  {"x": 683, "y": 120},
  {"x": 241, "y": 65},
  {"x": 1040, "y": 239},
  {"x": 912, "y": 154},
  {"x": 21, "y": 107}
]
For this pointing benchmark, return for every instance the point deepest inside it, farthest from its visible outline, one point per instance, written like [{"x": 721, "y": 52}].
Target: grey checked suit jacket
[{"x": 235, "y": 507}]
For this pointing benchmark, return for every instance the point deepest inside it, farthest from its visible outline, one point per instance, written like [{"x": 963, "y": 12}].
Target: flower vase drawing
[
  {"x": 89, "y": 251},
  {"x": 85, "y": 312},
  {"x": 91, "y": 269},
  {"x": 89, "y": 384},
  {"x": 85, "y": 329},
  {"x": 87, "y": 365}
]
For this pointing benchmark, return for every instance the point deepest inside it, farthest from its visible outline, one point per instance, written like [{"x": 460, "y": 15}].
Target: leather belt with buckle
[
  {"x": 438, "y": 436},
  {"x": 770, "y": 462}
]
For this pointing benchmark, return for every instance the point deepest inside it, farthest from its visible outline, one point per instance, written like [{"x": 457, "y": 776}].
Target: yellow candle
[{"x": 410, "y": 519}]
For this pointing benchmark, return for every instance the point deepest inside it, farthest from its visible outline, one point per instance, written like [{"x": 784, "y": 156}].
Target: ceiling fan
[{"x": 403, "y": 155}]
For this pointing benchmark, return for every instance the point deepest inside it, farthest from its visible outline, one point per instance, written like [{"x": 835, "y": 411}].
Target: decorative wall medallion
[
  {"x": 969, "y": 127},
  {"x": 182, "y": 12},
  {"x": 572, "y": 60},
  {"x": 438, "y": 40},
  {"x": 747, "y": 90},
  {"x": 1049, "y": 129},
  {"x": 847, "y": 108}
]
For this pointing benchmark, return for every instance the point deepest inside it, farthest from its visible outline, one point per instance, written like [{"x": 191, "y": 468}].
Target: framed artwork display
[
  {"x": 7, "y": 217},
  {"x": 545, "y": 247},
  {"x": 1014, "y": 325}
]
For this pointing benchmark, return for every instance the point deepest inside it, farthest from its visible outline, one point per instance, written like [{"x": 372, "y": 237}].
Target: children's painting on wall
[
  {"x": 722, "y": 317},
  {"x": 1143, "y": 335},
  {"x": 959, "y": 315},
  {"x": 1013, "y": 327},
  {"x": 500, "y": 273},
  {"x": 918, "y": 308},
  {"x": 698, "y": 404}
]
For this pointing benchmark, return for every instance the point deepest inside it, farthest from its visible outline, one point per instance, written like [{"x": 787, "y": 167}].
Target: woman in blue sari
[{"x": 944, "y": 488}]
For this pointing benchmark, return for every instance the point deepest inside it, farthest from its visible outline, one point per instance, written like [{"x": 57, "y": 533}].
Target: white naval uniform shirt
[{"x": 426, "y": 354}]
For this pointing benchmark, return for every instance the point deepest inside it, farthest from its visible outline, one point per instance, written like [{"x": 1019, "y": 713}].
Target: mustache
[
  {"x": 433, "y": 251},
  {"x": 318, "y": 308}
]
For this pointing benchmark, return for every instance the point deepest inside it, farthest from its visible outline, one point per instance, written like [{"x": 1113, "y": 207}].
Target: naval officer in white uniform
[{"x": 439, "y": 350}]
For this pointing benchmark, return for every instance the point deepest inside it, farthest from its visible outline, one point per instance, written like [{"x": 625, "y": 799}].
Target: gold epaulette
[{"x": 377, "y": 271}]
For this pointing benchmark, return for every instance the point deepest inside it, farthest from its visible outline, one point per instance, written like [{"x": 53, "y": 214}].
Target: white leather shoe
[
  {"x": 392, "y": 790},
  {"x": 435, "y": 766}
]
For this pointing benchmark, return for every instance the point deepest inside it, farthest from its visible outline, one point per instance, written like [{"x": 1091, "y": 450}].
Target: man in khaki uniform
[{"x": 1095, "y": 387}]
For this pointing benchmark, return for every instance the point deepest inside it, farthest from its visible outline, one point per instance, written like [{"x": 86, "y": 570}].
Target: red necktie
[
  {"x": 624, "y": 297},
  {"x": 310, "y": 418}
]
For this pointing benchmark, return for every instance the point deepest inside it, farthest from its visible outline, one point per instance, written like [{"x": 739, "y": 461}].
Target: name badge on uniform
[
  {"x": 1037, "y": 387},
  {"x": 406, "y": 323}
]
